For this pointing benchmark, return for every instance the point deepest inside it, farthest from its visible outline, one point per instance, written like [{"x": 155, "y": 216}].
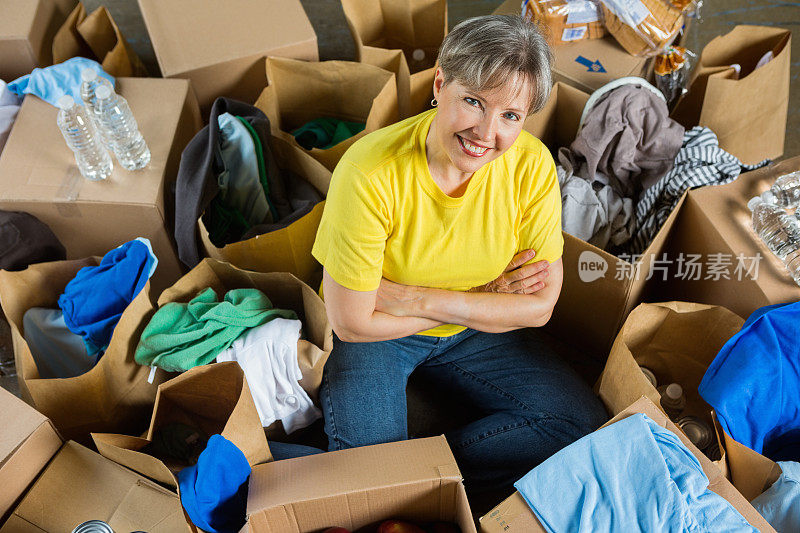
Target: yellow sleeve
[
  {"x": 540, "y": 228},
  {"x": 352, "y": 234}
]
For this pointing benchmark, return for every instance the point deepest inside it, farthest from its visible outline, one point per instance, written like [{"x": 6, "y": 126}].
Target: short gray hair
[{"x": 483, "y": 53}]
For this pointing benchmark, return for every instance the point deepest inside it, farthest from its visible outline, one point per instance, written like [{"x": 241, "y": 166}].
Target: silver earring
[{"x": 434, "y": 103}]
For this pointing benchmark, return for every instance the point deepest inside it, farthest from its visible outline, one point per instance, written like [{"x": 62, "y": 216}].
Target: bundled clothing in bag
[
  {"x": 57, "y": 352},
  {"x": 51, "y": 83},
  {"x": 268, "y": 356},
  {"x": 95, "y": 299},
  {"x": 699, "y": 162},
  {"x": 214, "y": 491},
  {"x": 326, "y": 132},
  {"x": 181, "y": 336},
  {"x": 780, "y": 504},
  {"x": 25, "y": 240},
  {"x": 228, "y": 175},
  {"x": 754, "y": 383},
  {"x": 9, "y": 106},
  {"x": 633, "y": 475}
]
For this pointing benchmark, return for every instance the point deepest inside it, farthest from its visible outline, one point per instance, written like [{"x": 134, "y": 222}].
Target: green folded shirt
[{"x": 181, "y": 336}]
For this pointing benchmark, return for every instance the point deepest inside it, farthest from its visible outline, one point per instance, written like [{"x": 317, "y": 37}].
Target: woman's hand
[
  {"x": 396, "y": 299},
  {"x": 517, "y": 279}
]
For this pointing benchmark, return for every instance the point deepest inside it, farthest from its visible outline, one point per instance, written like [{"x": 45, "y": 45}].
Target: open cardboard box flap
[
  {"x": 513, "y": 514},
  {"x": 415, "y": 479}
]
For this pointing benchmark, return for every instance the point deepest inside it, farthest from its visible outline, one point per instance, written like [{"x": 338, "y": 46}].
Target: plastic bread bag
[
  {"x": 672, "y": 68},
  {"x": 642, "y": 27},
  {"x": 567, "y": 20}
]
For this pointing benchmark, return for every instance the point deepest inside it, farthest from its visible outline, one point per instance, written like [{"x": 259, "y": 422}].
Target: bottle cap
[
  {"x": 418, "y": 54},
  {"x": 102, "y": 92},
  {"x": 65, "y": 102},
  {"x": 769, "y": 197},
  {"x": 88, "y": 74},
  {"x": 674, "y": 391},
  {"x": 754, "y": 202}
]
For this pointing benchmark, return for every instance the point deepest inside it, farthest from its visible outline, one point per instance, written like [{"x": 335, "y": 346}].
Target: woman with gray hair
[{"x": 441, "y": 243}]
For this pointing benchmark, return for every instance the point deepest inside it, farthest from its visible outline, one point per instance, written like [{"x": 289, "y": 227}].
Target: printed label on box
[
  {"x": 581, "y": 12},
  {"x": 631, "y": 12},
  {"x": 573, "y": 34}
]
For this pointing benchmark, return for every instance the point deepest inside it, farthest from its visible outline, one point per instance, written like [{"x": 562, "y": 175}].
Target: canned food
[
  {"x": 649, "y": 375},
  {"x": 698, "y": 431},
  {"x": 713, "y": 452},
  {"x": 93, "y": 526}
]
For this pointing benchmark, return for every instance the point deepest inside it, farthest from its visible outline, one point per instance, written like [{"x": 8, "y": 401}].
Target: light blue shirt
[
  {"x": 51, "y": 83},
  {"x": 630, "y": 476},
  {"x": 780, "y": 504}
]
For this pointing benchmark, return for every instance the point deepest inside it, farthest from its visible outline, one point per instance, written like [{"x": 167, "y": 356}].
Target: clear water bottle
[
  {"x": 123, "y": 133},
  {"x": 780, "y": 232},
  {"x": 92, "y": 157},
  {"x": 90, "y": 81},
  {"x": 793, "y": 264},
  {"x": 785, "y": 192}
]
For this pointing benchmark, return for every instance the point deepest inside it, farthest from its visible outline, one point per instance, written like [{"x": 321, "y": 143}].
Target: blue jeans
[{"x": 527, "y": 402}]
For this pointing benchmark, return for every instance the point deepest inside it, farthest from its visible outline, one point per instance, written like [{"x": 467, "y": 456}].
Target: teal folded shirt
[{"x": 182, "y": 336}]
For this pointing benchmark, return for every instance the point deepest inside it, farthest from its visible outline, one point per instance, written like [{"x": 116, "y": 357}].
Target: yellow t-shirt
[{"x": 385, "y": 216}]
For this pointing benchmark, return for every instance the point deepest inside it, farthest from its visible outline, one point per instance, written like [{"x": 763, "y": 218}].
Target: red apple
[
  {"x": 336, "y": 530},
  {"x": 398, "y": 526}
]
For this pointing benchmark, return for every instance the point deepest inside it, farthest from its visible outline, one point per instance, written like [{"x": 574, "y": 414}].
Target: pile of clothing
[
  {"x": 244, "y": 327},
  {"x": 629, "y": 165},
  {"x": 754, "y": 386},
  {"x": 229, "y": 176},
  {"x": 68, "y": 341}
]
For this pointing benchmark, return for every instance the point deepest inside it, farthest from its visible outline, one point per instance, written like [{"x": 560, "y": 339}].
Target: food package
[
  {"x": 642, "y": 27},
  {"x": 567, "y": 20}
]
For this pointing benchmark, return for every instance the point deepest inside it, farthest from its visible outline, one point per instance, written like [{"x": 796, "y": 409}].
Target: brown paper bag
[
  {"x": 298, "y": 92},
  {"x": 747, "y": 110},
  {"x": 751, "y": 472},
  {"x": 403, "y": 37},
  {"x": 286, "y": 292},
  {"x": 676, "y": 341},
  {"x": 287, "y": 249},
  {"x": 213, "y": 398},
  {"x": 97, "y": 37},
  {"x": 113, "y": 396}
]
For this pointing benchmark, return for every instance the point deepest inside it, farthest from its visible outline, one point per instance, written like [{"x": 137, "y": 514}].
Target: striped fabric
[{"x": 699, "y": 162}]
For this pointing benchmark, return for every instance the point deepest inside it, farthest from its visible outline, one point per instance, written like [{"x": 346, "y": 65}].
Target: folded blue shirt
[
  {"x": 94, "y": 300},
  {"x": 754, "y": 383},
  {"x": 214, "y": 491},
  {"x": 51, "y": 83},
  {"x": 633, "y": 475}
]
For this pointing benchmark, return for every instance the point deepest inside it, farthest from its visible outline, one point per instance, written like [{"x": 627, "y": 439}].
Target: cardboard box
[
  {"x": 27, "y": 28},
  {"x": 557, "y": 123},
  {"x": 716, "y": 220},
  {"x": 513, "y": 514},
  {"x": 27, "y": 443},
  {"x": 38, "y": 175},
  {"x": 416, "y": 480},
  {"x": 591, "y": 63},
  {"x": 221, "y": 46},
  {"x": 80, "y": 485}
]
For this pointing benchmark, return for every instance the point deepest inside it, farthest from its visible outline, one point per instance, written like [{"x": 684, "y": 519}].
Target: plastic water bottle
[
  {"x": 793, "y": 264},
  {"x": 780, "y": 232},
  {"x": 90, "y": 81},
  {"x": 123, "y": 133},
  {"x": 92, "y": 157},
  {"x": 785, "y": 192}
]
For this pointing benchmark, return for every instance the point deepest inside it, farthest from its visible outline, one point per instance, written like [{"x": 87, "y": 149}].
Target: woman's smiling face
[{"x": 473, "y": 127}]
